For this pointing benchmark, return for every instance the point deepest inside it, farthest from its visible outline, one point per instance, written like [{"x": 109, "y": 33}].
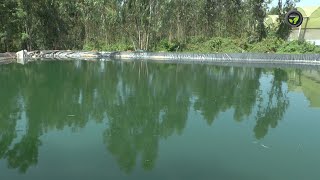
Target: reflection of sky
[{"x": 301, "y": 3}]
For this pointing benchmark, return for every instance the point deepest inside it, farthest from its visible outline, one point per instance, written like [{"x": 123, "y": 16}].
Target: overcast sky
[{"x": 301, "y": 3}]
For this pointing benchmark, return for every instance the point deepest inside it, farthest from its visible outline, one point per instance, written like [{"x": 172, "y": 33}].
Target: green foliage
[
  {"x": 169, "y": 46},
  {"x": 298, "y": 47},
  {"x": 217, "y": 44},
  {"x": 284, "y": 30},
  {"x": 271, "y": 44},
  {"x": 118, "y": 25},
  {"x": 273, "y": 11},
  {"x": 103, "y": 46},
  {"x": 267, "y": 45},
  {"x": 24, "y": 36}
]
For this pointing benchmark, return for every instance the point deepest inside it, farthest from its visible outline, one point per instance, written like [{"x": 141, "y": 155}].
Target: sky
[{"x": 301, "y": 3}]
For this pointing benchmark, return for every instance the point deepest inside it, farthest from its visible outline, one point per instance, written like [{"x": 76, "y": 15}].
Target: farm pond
[{"x": 146, "y": 120}]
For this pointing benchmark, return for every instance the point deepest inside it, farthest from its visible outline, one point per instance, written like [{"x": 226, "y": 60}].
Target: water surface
[{"x": 138, "y": 120}]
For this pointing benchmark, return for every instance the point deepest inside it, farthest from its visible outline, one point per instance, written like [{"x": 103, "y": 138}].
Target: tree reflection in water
[
  {"x": 277, "y": 104},
  {"x": 144, "y": 102}
]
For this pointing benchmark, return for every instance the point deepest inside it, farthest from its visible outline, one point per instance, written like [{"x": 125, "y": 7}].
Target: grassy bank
[
  {"x": 267, "y": 45},
  {"x": 218, "y": 45}
]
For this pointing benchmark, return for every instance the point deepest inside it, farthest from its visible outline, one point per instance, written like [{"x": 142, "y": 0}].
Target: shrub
[
  {"x": 102, "y": 46},
  {"x": 298, "y": 47},
  {"x": 166, "y": 45},
  {"x": 216, "y": 44},
  {"x": 267, "y": 45}
]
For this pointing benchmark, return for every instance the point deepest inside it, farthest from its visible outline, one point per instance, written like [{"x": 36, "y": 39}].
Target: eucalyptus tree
[
  {"x": 258, "y": 12},
  {"x": 140, "y": 24},
  {"x": 283, "y": 7},
  {"x": 9, "y": 31},
  {"x": 140, "y": 20}
]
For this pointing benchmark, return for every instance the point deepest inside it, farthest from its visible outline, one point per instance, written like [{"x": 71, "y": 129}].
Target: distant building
[
  {"x": 271, "y": 21},
  {"x": 307, "y": 82},
  {"x": 309, "y": 29}
]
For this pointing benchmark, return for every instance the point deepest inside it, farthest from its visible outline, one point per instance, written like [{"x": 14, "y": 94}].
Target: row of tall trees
[{"x": 142, "y": 24}]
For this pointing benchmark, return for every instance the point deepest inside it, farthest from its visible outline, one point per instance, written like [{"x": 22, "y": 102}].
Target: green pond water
[{"x": 150, "y": 121}]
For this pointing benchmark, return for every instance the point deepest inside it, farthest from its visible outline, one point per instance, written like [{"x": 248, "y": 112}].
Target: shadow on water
[{"x": 143, "y": 102}]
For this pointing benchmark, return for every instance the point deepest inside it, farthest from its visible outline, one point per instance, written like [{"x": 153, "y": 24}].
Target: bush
[
  {"x": 166, "y": 45},
  {"x": 298, "y": 47},
  {"x": 216, "y": 44},
  {"x": 267, "y": 45},
  {"x": 201, "y": 44},
  {"x": 196, "y": 39},
  {"x": 271, "y": 44},
  {"x": 102, "y": 46}
]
